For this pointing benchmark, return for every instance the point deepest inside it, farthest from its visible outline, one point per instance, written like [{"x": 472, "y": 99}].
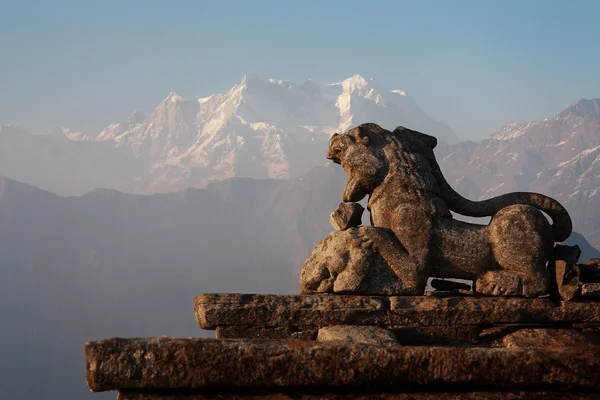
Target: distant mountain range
[
  {"x": 261, "y": 128},
  {"x": 266, "y": 128},
  {"x": 557, "y": 156}
]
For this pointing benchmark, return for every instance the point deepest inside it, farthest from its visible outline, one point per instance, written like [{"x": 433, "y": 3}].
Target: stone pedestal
[{"x": 362, "y": 347}]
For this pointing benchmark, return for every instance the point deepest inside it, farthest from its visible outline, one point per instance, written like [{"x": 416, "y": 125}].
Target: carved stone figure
[{"x": 413, "y": 232}]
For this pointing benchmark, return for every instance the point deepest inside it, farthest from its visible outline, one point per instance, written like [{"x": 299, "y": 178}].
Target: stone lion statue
[{"x": 413, "y": 232}]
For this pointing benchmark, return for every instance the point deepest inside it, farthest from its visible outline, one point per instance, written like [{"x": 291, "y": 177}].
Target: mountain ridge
[{"x": 260, "y": 128}]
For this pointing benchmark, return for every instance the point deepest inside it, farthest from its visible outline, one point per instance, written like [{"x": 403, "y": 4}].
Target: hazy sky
[{"x": 472, "y": 64}]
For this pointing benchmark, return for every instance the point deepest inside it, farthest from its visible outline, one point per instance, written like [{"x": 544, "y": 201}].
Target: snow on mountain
[
  {"x": 66, "y": 133},
  {"x": 261, "y": 128},
  {"x": 557, "y": 156}
]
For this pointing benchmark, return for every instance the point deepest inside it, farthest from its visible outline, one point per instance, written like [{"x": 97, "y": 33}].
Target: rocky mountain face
[
  {"x": 261, "y": 128},
  {"x": 557, "y": 156}
]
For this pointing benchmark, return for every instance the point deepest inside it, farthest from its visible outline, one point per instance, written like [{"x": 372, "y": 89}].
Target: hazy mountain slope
[
  {"x": 558, "y": 156},
  {"x": 63, "y": 162},
  {"x": 111, "y": 264}
]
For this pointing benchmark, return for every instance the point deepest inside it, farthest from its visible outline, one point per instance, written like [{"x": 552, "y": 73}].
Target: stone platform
[
  {"x": 159, "y": 365},
  {"x": 285, "y": 347},
  {"x": 414, "y": 319}
]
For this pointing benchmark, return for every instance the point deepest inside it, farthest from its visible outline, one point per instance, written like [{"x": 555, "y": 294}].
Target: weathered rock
[
  {"x": 590, "y": 290},
  {"x": 499, "y": 283},
  {"x": 190, "y": 364},
  {"x": 357, "y": 334},
  {"x": 576, "y": 311},
  {"x": 549, "y": 338},
  {"x": 356, "y": 261},
  {"x": 497, "y": 331},
  {"x": 261, "y": 310},
  {"x": 413, "y": 310},
  {"x": 328, "y": 393},
  {"x": 566, "y": 253},
  {"x": 443, "y": 285},
  {"x": 565, "y": 279},
  {"x": 409, "y": 196},
  {"x": 589, "y": 271},
  {"x": 253, "y": 332},
  {"x": 347, "y": 215},
  {"x": 420, "y": 335},
  {"x": 318, "y": 310}
]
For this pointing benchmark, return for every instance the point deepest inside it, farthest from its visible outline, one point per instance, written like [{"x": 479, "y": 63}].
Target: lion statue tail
[{"x": 562, "y": 225}]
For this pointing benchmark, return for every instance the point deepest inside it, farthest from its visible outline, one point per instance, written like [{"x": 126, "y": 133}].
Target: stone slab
[
  {"x": 578, "y": 311},
  {"x": 428, "y": 310},
  {"x": 343, "y": 395},
  {"x": 417, "y": 310},
  {"x": 590, "y": 290},
  {"x": 357, "y": 334},
  {"x": 498, "y": 331},
  {"x": 564, "y": 281},
  {"x": 420, "y": 335},
  {"x": 192, "y": 364},
  {"x": 589, "y": 271},
  {"x": 254, "y": 332},
  {"x": 318, "y": 310},
  {"x": 550, "y": 338},
  {"x": 214, "y": 310}
]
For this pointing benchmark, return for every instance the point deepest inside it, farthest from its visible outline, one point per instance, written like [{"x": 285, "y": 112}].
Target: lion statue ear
[
  {"x": 428, "y": 140},
  {"x": 362, "y": 135}
]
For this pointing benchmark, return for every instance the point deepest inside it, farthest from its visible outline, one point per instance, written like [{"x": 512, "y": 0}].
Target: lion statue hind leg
[{"x": 522, "y": 242}]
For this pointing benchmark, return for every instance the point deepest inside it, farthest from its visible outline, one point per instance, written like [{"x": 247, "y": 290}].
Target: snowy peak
[
  {"x": 255, "y": 83},
  {"x": 67, "y": 134},
  {"x": 174, "y": 97},
  {"x": 353, "y": 83},
  {"x": 360, "y": 86}
]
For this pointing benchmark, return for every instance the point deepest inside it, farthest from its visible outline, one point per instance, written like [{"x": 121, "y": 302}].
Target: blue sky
[{"x": 472, "y": 64}]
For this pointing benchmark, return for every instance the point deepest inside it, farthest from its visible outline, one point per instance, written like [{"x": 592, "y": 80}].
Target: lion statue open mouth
[{"x": 414, "y": 232}]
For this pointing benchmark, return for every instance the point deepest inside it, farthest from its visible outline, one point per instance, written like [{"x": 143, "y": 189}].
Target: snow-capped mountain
[
  {"x": 261, "y": 128},
  {"x": 558, "y": 156}
]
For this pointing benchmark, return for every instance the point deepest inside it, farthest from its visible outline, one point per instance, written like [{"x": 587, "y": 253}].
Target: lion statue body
[{"x": 409, "y": 197}]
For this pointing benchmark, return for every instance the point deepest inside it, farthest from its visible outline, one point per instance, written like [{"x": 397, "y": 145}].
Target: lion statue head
[{"x": 368, "y": 153}]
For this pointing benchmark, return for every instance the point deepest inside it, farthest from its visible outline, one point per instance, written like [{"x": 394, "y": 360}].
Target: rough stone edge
[
  {"x": 279, "y": 311},
  {"x": 163, "y": 363},
  {"x": 254, "y": 332},
  {"x": 267, "y": 310},
  {"x": 375, "y": 395}
]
